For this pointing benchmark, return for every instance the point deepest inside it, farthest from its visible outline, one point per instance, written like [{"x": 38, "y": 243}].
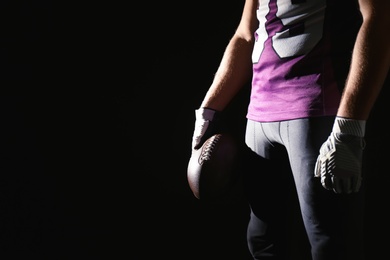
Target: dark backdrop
[{"x": 93, "y": 161}]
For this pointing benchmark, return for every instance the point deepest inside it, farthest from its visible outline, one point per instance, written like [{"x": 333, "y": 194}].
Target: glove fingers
[
  {"x": 347, "y": 183},
  {"x": 317, "y": 168},
  {"x": 341, "y": 185},
  {"x": 346, "y": 149},
  {"x": 326, "y": 179}
]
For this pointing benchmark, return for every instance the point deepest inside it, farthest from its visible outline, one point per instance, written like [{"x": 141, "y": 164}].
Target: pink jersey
[{"x": 300, "y": 58}]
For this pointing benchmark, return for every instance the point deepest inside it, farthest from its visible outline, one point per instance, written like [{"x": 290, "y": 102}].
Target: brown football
[{"x": 212, "y": 169}]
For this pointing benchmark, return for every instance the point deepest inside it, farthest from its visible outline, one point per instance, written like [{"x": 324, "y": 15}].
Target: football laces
[{"x": 208, "y": 148}]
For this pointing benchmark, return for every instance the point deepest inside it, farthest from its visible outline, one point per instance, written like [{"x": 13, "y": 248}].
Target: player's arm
[
  {"x": 339, "y": 164},
  {"x": 370, "y": 61},
  {"x": 235, "y": 69}
]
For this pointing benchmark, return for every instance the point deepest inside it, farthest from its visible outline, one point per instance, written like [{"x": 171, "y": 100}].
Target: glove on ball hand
[
  {"x": 205, "y": 124},
  {"x": 339, "y": 164}
]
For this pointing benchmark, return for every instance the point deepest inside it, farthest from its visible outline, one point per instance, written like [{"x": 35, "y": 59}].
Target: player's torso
[{"x": 297, "y": 46}]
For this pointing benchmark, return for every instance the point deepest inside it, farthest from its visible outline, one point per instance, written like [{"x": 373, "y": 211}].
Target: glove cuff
[
  {"x": 205, "y": 113},
  {"x": 349, "y": 126}
]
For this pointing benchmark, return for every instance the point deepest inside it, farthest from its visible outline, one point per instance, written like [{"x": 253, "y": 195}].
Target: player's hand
[
  {"x": 205, "y": 124},
  {"x": 339, "y": 164}
]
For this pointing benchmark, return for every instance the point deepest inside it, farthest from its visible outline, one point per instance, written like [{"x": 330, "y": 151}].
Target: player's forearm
[
  {"x": 369, "y": 67},
  {"x": 234, "y": 71}
]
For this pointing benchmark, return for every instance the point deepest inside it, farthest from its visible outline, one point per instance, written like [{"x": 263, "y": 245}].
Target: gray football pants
[{"x": 292, "y": 216}]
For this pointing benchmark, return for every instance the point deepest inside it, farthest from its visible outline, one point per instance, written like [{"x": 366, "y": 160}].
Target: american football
[{"x": 212, "y": 169}]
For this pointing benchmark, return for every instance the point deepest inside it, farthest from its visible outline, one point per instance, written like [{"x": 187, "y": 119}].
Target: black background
[{"x": 94, "y": 149}]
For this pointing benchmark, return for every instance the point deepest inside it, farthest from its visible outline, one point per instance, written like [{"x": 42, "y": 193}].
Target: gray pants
[{"x": 292, "y": 215}]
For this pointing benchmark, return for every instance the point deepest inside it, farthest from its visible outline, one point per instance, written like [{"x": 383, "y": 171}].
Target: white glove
[
  {"x": 340, "y": 161},
  {"x": 203, "y": 119}
]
